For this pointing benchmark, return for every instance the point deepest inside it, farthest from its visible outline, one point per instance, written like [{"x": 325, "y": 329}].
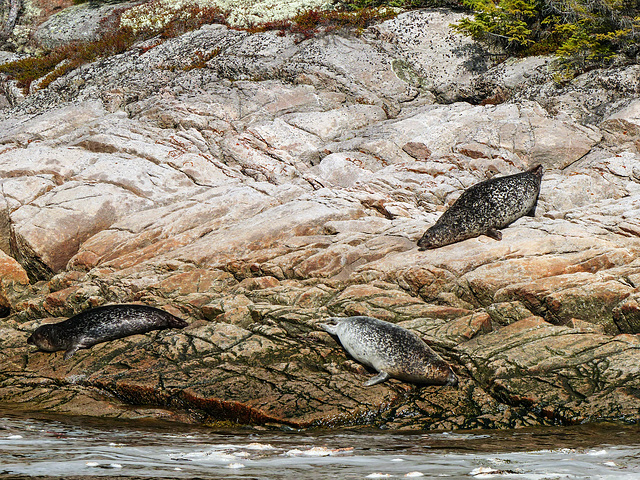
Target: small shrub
[
  {"x": 200, "y": 59},
  {"x": 583, "y": 33},
  {"x": 311, "y": 22}
]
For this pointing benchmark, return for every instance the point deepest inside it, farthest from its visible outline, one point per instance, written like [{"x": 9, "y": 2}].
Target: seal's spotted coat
[
  {"x": 484, "y": 208},
  {"x": 99, "y": 325},
  {"x": 391, "y": 350}
]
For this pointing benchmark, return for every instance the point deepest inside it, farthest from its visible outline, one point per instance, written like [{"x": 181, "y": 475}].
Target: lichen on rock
[{"x": 156, "y": 14}]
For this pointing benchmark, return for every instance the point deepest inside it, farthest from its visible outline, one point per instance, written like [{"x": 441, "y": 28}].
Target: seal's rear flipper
[
  {"x": 537, "y": 170},
  {"x": 493, "y": 233},
  {"x": 381, "y": 377}
]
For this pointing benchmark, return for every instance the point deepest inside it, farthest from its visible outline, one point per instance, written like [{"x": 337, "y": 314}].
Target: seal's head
[
  {"x": 423, "y": 368},
  {"x": 436, "y": 236},
  {"x": 438, "y": 372},
  {"x": 45, "y": 338}
]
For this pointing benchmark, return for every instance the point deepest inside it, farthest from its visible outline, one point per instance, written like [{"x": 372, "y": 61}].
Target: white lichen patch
[{"x": 241, "y": 13}]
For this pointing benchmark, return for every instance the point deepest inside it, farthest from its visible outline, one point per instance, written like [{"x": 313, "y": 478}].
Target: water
[{"x": 50, "y": 447}]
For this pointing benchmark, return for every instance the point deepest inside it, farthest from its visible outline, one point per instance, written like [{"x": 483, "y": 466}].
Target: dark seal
[
  {"x": 485, "y": 207},
  {"x": 391, "y": 350},
  {"x": 99, "y": 325}
]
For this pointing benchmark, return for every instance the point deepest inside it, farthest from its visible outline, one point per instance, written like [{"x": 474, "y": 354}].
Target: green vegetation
[
  {"x": 583, "y": 33},
  {"x": 65, "y": 59},
  {"x": 115, "y": 39}
]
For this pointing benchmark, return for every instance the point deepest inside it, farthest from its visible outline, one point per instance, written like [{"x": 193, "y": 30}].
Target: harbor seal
[
  {"x": 484, "y": 208},
  {"x": 101, "y": 324},
  {"x": 391, "y": 350}
]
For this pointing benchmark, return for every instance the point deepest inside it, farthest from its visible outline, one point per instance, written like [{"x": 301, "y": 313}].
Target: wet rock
[{"x": 599, "y": 367}]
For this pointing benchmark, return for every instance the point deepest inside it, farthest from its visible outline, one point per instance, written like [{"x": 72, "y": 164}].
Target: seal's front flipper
[
  {"x": 69, "y": 353},
  {"x": 381, "y": 377},
  {"x": 493, "y": 233}
]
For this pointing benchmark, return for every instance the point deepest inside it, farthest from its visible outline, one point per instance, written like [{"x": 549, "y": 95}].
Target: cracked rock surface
[{"x": 288, "y": 181}]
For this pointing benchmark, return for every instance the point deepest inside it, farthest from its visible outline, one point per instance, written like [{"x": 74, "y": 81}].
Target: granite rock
[{"x": 287, "y": 181}]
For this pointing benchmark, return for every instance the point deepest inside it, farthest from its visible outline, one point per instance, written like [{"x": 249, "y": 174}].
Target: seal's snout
[
  {"x": 424, "y": 244},
  {"x": 30, "y": 340},
  {"x": 331, "y": 325}
]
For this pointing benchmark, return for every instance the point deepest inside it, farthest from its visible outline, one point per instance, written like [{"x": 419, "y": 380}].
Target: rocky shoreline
[{"x": 288, "y": 180}]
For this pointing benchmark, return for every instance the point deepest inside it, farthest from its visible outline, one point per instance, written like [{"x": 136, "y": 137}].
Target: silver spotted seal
[{"x": 391, "y": 350}]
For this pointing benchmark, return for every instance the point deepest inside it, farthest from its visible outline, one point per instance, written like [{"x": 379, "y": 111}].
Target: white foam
[
  {"x": 597, "y": 452},
  {"x": 318, "y": 451},
  {"x": 14, "y": 437},
  {"x": 235, "y": 465},
  {"x": 260, "y": 446},
  {"x": 212, "y": 455},
  {"x": 414, "y": 474},
  {"x": 484, "y": 472},
  {"x": 294, "y": 452}
]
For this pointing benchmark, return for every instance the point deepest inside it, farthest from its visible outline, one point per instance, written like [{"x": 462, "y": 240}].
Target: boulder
[
  {"x": 77, "y": 23},
  {"x": 434, "y": 57}
]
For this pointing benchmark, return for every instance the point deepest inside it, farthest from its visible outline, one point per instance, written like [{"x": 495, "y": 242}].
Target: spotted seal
[
  {"x": 101, "y": 324},
  {"x": 391, "y": 350},
  {"x": 485, "y": 207}
]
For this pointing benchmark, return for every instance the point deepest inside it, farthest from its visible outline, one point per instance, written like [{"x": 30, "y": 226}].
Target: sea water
[{"x": 56, "y": 447}]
